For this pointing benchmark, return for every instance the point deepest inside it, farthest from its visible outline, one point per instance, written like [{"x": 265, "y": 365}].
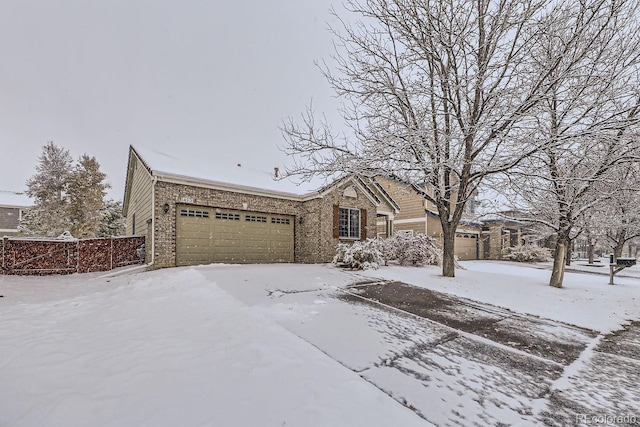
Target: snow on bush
[
  {"x": 416, "y": 249},
  {"x": 361, "y": 254},
  {"x": 407, "y": 249},
  {"x": 527, "y": 253}
]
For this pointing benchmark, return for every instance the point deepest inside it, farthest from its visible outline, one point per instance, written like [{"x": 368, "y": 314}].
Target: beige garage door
[
  {"x": 465, "y": 246},
  {"x": 206, "y": 235}
]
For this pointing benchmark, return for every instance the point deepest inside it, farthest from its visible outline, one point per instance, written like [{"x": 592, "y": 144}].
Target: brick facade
[{"x": 313, "y": 228}]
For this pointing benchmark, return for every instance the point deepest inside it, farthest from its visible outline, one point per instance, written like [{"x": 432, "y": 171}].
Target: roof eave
[{"x": 225, "y": 186}]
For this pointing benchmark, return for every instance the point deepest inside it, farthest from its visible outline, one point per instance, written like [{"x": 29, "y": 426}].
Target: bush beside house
[
  {"x": 406, "y": 249},
  {"x": 527, "y": 253}
]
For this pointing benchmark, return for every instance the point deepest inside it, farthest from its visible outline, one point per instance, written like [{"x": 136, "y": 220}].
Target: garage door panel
[
  {"x": 223, "y": 235},
  {"x": 466, "y": 246}
]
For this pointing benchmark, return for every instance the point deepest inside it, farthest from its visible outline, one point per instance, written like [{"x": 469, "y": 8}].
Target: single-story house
[
  {"x": 192, "y": 212},
  {"x": 12, "y": 207}
]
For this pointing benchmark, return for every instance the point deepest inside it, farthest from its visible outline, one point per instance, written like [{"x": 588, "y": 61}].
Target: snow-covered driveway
[{"x": 279, "y": 345}]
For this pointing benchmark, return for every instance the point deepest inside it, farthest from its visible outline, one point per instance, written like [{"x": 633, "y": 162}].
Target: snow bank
[{"x": 163, "y": 349}]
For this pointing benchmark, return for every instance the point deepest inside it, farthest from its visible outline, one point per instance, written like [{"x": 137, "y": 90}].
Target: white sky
[{"x": 198, "y": 78}]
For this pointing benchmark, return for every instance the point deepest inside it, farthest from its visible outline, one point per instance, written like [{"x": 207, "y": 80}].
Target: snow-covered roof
[
  {"x": 13, "y": 199},
  {"x": 500, "y": 217},
  {"x": 249, "y": 172}
]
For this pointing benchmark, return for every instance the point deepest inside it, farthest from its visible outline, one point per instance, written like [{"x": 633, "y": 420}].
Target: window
[
  {"x": 285, "y": 221},
  {"x": 349, "y": 223},
  {"x": 229, "y": 216},
  {"x": 255, "y": 218},
  {"x": 194, "y": 213}
]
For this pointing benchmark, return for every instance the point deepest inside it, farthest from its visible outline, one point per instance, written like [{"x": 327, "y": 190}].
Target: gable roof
[
  {"x": 250, "y": 173},
  {"x": 380, "y": 191},
  {"x": 244, "y": 177}
]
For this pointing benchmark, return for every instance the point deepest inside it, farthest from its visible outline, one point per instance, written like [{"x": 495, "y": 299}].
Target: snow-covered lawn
[
  {"x": 585, "y": 300},
  {"x": 269, "y": 345}
]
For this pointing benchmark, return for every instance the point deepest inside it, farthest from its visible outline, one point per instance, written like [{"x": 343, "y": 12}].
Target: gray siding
[{"x": 9, "y": 220}]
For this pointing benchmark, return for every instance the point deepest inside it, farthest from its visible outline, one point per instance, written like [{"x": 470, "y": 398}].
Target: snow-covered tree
[
  {"x": 48, "y": 187},
  {"x": 67, "y": 197},
  {"x": 621, "y": 216},
  {"x": 112, "y": 222},
  {"x": 440, "y": 93},
  {"x": 86, "y": 192},
  {"x": 587, "y": 124}
]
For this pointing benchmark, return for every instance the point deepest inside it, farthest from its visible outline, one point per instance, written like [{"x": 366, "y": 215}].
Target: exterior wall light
[{"x": 165, "y": 208}]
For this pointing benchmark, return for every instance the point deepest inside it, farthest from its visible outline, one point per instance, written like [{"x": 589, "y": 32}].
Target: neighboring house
[
  {"x": 197, "y": 212},
  {"x": 485, "y": 238},
  {"x": 500, "y": 233},
  {"x": 418, "y": 215},
  {"x": 12, "y": 206}
]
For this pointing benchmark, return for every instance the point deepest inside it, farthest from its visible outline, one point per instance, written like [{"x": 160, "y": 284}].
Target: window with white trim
[{"x": 349, "y": 223}]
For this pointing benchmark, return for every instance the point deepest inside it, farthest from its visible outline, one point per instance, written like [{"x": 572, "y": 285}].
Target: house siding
[
  {"x": 417, "y": 226},
  {"x": 9, "y": 220},
  {"x": 410, "y": 203},
  {"x": 140, "y": 197}
]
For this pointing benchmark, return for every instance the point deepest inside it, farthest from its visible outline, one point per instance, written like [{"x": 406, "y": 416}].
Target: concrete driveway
[{"x": 451, "y": 360}]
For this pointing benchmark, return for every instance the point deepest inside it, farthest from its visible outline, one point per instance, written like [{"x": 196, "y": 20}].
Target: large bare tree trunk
[
  {"x": 557, "y": 274},
  {"x": 567, "y": 256},
  {"x": 448, "y": 256},
  {"x": 590, "y": 250},
  {"x": 617, "y": 250}
]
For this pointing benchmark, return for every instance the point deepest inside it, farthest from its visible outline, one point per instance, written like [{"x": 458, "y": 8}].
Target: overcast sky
[{"x": 191, "y": 78}]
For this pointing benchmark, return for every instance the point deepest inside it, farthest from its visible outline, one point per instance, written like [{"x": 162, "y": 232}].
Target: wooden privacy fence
[{"x": 39, "y": 256}]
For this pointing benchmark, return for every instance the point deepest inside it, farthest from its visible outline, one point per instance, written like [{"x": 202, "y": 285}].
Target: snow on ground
[
  {"x": 585, "y": 300},
  {"x": 277, "y": 345},
  {"x": 166, "y": 348}
]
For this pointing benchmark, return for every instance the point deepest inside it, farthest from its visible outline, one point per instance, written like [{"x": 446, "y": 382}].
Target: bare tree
[
  {"x": 440, "y": 94},
  {"x": 587, "y": 125},
  {"x": 620, "y": 216}
]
